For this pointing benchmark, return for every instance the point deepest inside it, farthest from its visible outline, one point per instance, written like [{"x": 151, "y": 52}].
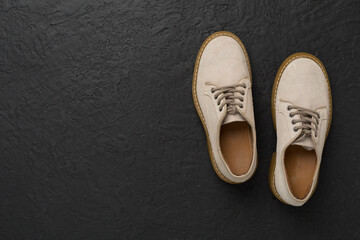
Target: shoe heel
[{"x": 272, "y": 177}]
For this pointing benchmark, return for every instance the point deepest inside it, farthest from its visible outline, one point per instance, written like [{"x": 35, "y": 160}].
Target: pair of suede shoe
[{"x": 301, "y": 109}]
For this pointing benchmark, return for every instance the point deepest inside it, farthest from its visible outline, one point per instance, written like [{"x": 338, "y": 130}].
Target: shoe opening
[{"x": 236, "y": 146}]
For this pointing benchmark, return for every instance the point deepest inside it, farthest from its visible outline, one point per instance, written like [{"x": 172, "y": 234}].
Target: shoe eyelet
[
  {"x": 293, "y": 122},
  {"x": 288, "y": 108},
  {"x": 291, "y": 115},
  {"x": 212, "y": 90}
]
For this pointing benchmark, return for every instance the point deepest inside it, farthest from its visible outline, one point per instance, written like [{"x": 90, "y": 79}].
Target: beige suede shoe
[
  {"x": 223, "y": 100},
  {"x": 301, "y": 110}
]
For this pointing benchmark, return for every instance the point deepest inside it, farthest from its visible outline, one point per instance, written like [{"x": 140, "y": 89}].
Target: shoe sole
[
  {"x": 195, "y": 99},
  {"x": 273, "y": 97}
]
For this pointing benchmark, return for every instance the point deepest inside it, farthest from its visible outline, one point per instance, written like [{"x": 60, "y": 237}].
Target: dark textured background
[{"x": 99, "y": 137}]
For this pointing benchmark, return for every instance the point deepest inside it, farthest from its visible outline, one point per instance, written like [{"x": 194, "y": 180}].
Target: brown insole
[
  {"x": 300, "y": 167},
  {"x": 236, "y": 146}
]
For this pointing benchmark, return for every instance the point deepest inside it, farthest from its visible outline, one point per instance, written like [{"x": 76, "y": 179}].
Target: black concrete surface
[{"x": 99, "y": 137}]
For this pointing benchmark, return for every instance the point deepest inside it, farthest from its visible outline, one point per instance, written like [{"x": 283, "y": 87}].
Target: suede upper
[
  {"x": 222, "y": 63},
  {"x": 303, "y": 82}
]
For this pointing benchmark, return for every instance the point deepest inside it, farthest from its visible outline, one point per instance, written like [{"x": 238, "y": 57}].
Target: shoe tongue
[
  {"x": 236, "y": 117},
  {"x": 305, "y": 142}
]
